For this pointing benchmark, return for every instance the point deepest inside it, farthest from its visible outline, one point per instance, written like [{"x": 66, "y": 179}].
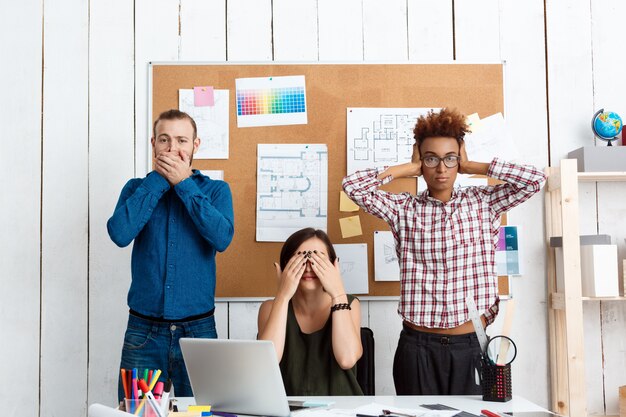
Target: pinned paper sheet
[
  {"x": 203, "y": 96},
  {"x": 492, "y": 139},
  {"x": 473, "y": 122},
  {"x": 386, "y": 266},
  {"x": 350, "y": 226},
  {"x": 345, "y": 204},
  {"x": 353, "y": 266},
  {"x": 214, "y": 174}
]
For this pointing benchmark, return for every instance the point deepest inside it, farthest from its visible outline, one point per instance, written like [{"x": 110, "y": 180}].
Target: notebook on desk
[{"x": 236, "y": 376}]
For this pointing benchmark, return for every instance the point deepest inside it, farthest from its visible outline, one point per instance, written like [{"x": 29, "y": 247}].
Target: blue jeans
[{"x": 155, "y": 345}]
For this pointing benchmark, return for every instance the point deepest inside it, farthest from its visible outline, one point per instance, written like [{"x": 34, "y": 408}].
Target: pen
[
  {"x": 489, "y": 413},
  {"x": 166, "y": 395},
  {"x": 124, "y": 382},
  {"x": 135, "y": 393},
  {"x": 223, "y": 414},
  {"x": 158, "y": 390},
  {"x": 150, "y": 387},
  {"x": 151, "y": 400}
]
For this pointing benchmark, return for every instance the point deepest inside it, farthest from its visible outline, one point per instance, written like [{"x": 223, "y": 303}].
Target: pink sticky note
[{"x": 203, "y": 96}]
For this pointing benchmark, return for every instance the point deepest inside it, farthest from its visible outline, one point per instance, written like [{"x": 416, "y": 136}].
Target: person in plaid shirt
[{"x": 445, "y": 241}]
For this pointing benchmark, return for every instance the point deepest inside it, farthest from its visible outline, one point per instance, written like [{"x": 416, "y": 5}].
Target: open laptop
[{"x": 236, "y": 376}]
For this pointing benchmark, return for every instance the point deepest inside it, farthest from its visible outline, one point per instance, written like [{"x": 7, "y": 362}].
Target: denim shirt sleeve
[
  {"x": 134, "y": 208},
  {"x": 212, "y": 213}
]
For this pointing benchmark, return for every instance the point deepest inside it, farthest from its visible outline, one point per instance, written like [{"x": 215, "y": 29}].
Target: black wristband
[{"x": 340, "y": 306}]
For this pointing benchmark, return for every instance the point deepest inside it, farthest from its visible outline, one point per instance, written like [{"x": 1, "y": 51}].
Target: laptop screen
[{"x": 236, "y": 376}]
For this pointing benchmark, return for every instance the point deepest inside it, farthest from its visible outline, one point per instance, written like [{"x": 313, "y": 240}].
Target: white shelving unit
[{"x": 565, "y": 311}]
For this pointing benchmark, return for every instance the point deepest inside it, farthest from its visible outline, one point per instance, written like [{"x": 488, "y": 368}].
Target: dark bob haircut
[{"x": 295, "y": 240}]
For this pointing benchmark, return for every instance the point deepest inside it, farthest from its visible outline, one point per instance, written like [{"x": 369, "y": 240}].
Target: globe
[{"x": 606, "y": 125}]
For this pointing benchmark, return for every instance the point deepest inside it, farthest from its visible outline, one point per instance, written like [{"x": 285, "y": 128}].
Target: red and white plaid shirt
[{"x": 446, "y": 250}]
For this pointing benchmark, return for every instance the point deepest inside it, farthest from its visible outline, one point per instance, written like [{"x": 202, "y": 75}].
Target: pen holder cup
[
  {"x": 496, "y": 382},
  {"x": 144, "y": 407}
]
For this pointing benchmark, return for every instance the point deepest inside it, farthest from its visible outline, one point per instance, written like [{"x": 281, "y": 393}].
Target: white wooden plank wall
[
  {"x": 608, "y": 87},
  {"x": 249, "y": 30},
  {"x": 111, "y": 164},
  {"x": 430, "y": 30},
  {"x": 202, "y": 30},
  {"x": 64, "y": 209},
  {"x": 20, "y": 205},
  {"x": 157, "y": 38},
  {"x": 93, "y": 92},
  {"x": 522, "y": 44}
]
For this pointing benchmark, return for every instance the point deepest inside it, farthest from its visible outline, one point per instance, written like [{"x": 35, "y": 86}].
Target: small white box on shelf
[{"x": 598, "y": 264}]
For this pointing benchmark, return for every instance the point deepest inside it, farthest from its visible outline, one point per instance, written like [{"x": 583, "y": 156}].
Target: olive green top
[{"x": 308, "y": 365}]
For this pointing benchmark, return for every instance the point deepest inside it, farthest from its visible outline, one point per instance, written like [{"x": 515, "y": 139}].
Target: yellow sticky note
[
  {"x": 350, "y": 226},
  {"x": 473, "y": 121},
  {"x": 198, "y": 408},
  {"x": 345, "y": 204}
]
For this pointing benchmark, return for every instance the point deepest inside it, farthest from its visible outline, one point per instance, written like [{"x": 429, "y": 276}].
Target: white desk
[{"x": 469, "y": 403}]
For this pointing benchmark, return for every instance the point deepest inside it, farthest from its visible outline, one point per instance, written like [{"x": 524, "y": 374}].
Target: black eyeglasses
[{"x": 449, "y": 161}]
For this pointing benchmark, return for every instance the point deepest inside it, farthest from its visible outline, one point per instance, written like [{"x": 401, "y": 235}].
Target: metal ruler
[{"x": 478, "y": 324}]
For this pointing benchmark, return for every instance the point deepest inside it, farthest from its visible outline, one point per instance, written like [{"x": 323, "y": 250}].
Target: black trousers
[{"x": 435, "y": 364}]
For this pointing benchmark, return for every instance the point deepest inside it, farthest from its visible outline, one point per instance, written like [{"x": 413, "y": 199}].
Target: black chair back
[{"x": 365, "y": 374}]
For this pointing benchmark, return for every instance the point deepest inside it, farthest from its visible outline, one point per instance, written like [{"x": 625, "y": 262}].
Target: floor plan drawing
[
  {"x": 292, "y": 189},
  {"x": 378, "y": 137}
]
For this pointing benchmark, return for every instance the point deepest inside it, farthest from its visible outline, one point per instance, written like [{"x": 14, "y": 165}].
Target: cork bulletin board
[{"x": 246, "y": 268}]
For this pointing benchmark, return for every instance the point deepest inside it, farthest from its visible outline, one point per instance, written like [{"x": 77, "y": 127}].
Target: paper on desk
[{"x": 373, "y": 409}]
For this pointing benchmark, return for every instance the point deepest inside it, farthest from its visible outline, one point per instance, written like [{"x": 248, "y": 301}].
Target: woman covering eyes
[{"x": 314, "y": 324}]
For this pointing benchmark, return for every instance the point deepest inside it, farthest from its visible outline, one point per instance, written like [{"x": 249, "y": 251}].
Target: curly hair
[{"x": 448, "y": 123}]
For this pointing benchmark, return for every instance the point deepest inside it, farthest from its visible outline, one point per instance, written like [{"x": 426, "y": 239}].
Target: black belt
[
  {"x": 444, "y": 339},
  {"x": 164, "y": 320}
]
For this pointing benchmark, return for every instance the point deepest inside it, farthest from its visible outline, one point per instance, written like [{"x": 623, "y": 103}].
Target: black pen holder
[{"x": 496, "y": 382}]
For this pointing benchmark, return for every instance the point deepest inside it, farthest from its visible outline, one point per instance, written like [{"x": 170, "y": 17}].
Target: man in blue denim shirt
[{"x": 178, "y": 219}]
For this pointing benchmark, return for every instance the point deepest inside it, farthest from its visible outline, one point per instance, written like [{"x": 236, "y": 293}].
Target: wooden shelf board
[
  {"x": 620, "y": 298},
  {"x": 601, "y": 176}
]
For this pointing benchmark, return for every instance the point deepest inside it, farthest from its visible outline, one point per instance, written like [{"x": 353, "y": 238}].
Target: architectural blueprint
[
  {"x": 379, "y": 137},
  {"x": 211, "y": 121},
  {"x": 292, "y": 189}
]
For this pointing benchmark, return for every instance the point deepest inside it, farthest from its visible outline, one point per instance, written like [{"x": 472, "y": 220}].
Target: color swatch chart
[
  {"x": 271, "y": 101},
  {"x": 507, "y": 251}
]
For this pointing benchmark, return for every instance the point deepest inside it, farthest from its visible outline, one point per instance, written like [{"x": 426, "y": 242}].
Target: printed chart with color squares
[
  {"x": 271, "y": 101},
  {"x": 507, "y": 251}
]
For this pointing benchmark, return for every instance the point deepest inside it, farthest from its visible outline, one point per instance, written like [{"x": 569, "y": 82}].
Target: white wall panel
[
  {"x": 386, "y": 325},
  {"x": 295, "y": 30},
  {"x": 249, "y": 28},
  {"x": 111, "y": 165},
  {"x": 64, "y": 209},
  {"x": 612, "y": 221},
  {"x": 221, "y": 319},
  {"x": 20, "y": 167},
  {"x": 242, "y": 320},
  {"x": 385, "y": 30},
  {"x": 202, "y": 30},
  {"x": 594, "y": 375},
  {"x": 570, "y": 88},
  {"x": 340, "y": 30},
  {"x": 157, "y": 25},
  {"x": 477, "y": 31},
  {"x": 522, "y": 43},
  {"x": 608, "y": 89},
  {"x": 430, "y": 30}
]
